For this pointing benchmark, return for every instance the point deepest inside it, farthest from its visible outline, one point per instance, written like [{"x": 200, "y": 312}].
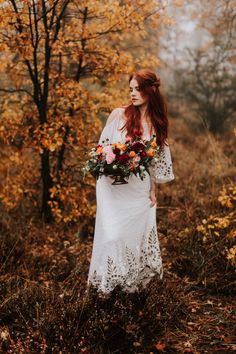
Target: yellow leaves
[
  {"x": 57, "y": 212},
  {"x": 18, "y": 184},
  {"x": 222, "y": 222},
  {"x": 48, "y": 136},
  {"x": 11, "y": 194},
  {"x": 222, "y": 227},
  {"x": 111, "y": 44},
  {"x": 227, "y": 196},
  {"x": 232, "y": 234},
  {"x": 231, "y": 255},
  {"x": 210, "y": 226},
  {"x": 69, "y": 200},
  {"x": 16, "y": 158},
  {"x": 185, "y": 232},
  {"x": 200, "y": 228},
  {"x": 214, "y": 222}
]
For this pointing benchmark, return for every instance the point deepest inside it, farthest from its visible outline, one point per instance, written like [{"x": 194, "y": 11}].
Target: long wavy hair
[{"x": 149, "y": 85}]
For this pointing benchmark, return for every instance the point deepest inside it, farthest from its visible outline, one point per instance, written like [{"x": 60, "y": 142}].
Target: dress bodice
[
  {"x": 119, "y": 135},
  {"x": 113, "y": 132}
]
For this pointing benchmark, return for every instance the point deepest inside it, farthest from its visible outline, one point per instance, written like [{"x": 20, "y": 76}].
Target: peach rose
[
  {"x": 153, "y": 144},
  {"x": 132, "y": 153},
  {"x": 150, "y": 152},
  {"x": 121, "y": 146},
  {"x": 99, "y": 150}
]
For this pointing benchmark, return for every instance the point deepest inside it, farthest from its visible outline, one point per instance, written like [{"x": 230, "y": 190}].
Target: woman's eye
[{"x": 134, "y": 89}]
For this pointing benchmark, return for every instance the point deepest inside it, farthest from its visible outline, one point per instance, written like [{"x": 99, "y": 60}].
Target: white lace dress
[{"x": 126, "y": 249}]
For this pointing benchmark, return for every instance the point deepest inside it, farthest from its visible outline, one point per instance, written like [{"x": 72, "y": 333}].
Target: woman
[{"x": 126, "y": 248}]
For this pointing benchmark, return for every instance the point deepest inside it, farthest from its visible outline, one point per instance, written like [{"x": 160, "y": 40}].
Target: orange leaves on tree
[{"x": 63, "y": 72}]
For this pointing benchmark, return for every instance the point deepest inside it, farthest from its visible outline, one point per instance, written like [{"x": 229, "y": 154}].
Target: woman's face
[{"x": 135, "y": 94}]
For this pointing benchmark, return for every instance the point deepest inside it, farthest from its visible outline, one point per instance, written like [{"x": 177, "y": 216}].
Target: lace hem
[{"x": 138, "y": 270}]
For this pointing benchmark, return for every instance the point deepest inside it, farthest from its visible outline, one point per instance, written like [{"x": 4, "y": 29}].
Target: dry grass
[{"x": 46, "y": 308}]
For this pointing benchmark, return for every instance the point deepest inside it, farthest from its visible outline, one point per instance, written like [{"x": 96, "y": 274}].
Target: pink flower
[
  {"x": 136, "y": 160},
  {"x": 110, "y": 156}
]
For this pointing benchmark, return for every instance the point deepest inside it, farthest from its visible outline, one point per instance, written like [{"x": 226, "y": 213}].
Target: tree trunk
[
  {"x": 47, "y": 184},
  {"x": 216, "y": 123},
  {"x": 46, "y": 211}
]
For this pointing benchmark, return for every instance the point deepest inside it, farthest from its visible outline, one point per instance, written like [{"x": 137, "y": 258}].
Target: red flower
[
  {"x": 116, "y": 151},
  {"x": 138, "y": 147},
  {"x": 123, "y": 159},
  {"x": 143, "y": 154}
]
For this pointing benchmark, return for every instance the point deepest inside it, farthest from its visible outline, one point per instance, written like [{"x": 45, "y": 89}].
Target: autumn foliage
[{"x": 61, "y": 61}]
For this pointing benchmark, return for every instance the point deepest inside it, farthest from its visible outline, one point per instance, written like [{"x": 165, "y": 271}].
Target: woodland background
[{"x": 64, "y": 66}]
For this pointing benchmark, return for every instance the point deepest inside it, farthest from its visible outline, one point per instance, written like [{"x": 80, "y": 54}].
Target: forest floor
[{"x": 45, "y": 306}]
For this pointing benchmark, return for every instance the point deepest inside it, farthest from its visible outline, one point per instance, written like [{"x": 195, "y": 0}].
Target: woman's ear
[{"x": 154, "y": 88}]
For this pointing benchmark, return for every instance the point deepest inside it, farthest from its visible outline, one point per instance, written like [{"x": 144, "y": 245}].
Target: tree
[
  {"x": 56, "y": 57},
  {"x": 209, "y": 87},
  {"x": 210, "y": 82}
]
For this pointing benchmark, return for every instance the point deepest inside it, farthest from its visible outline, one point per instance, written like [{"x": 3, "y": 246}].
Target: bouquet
[{"x": 120, "y": 160}]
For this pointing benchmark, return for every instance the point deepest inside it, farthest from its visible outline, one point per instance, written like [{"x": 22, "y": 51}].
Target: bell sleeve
[
  {"x": 105, "y": 134},
  {"x": 110, "y": 127},
  {"x": 161, "y": 170}
]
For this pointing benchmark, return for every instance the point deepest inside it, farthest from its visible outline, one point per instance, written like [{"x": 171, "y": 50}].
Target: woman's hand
[{"x": 152, "y": 197}]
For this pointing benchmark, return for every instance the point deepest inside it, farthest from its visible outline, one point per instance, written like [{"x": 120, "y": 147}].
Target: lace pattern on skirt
[{"x": 133, "y": 270}]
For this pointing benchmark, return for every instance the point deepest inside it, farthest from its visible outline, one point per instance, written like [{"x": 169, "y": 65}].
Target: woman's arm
[{"x": 152, "y": 194}]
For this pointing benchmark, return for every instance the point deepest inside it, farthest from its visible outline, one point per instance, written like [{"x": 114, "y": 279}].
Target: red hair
[{"x": 156, "y": 107}]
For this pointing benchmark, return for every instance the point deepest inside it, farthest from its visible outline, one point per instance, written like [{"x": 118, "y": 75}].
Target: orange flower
[
  {"x": 153, "y": 144},
  {"x": 151, "y": 152},
  {"x": 121, "y": 146},
  {"x": 132, "y": 153},
  {"x": 99, "y": 150}
]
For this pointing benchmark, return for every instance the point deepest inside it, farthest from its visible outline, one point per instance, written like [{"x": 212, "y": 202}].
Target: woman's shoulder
[
  {"x": 115, "y": 114},
  {"x": 118, "y": 110}
]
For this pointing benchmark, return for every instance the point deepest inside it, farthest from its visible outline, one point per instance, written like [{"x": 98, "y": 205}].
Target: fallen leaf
[
  {"x": 136, "y": 344},
  {"x": 160, "y": 346}
]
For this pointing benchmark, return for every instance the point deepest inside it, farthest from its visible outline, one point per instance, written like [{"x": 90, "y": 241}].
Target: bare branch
[
  {"x": 83, "y": 43},
  {"x": 17, "y": 90},
  {"x": 58, "y": 21}
]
